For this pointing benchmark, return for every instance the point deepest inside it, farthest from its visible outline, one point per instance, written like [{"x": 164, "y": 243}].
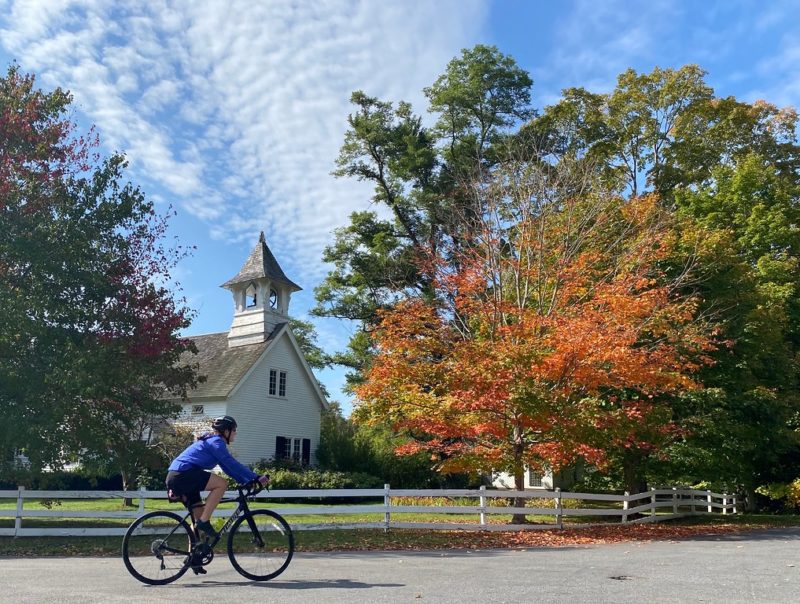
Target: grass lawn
[
  {"x": 407, "y": 539},
  {"x": 64, "y": 506}
]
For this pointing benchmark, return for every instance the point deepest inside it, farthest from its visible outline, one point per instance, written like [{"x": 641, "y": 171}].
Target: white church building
[{"x": 256, "y": 372}]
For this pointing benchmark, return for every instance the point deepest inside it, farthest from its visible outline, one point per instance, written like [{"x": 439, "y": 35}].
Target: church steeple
[{"x": 261, "y": 293}]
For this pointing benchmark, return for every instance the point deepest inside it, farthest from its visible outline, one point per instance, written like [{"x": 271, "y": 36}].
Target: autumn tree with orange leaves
[{"x": 558, "y": 333}]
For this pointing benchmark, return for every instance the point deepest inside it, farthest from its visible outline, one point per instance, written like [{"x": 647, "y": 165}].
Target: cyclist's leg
[
  {"x": 216, "y": 490},
  {"x": 194, "y": 503}
]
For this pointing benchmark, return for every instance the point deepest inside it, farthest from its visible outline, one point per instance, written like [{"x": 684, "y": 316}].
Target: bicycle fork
[{"x": 256, "y": 535}]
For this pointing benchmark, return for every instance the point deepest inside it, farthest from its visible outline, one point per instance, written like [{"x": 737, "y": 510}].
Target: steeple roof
[{"x": 261, "y": 263}]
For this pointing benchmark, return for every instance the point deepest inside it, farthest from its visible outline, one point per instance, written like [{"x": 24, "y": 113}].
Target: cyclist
[{"x": 189, "y": 473}]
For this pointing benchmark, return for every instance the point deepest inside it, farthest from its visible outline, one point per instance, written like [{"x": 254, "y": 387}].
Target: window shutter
[
  {"x": 306, "y": 451},
  {"x": 280, "y": 447}
]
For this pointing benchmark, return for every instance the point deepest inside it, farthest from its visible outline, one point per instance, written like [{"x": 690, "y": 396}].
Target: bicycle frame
[{"x": 243, "y": 508}]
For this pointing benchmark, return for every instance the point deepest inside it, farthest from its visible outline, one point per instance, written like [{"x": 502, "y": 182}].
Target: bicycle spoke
[
  {"x": 156, "y": 548},
  {"x": 265, "y": 552}
]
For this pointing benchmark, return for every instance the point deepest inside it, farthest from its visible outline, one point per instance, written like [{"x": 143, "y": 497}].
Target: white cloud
[
  {"x": 782, "y": 72},
  {"x": 237, "y": 109}
]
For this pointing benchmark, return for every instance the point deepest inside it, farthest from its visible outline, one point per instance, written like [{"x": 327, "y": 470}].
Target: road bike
[{"x": 160, "y": 547}]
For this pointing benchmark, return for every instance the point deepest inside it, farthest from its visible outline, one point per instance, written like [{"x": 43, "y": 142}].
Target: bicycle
[{"x": 159, "y": 547}]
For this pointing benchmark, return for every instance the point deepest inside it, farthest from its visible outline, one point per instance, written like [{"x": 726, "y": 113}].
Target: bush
[
  {"x": 785, "y": 495},
  {"x": 60, "y": 480},
  {"x": 349, "y": 447},
  {"x": 301, "y": 478}
]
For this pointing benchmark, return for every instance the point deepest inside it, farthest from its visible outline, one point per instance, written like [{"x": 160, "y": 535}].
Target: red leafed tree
[
  {"x": 556, "y": 333},
  {"x": 89, "y": 331}
]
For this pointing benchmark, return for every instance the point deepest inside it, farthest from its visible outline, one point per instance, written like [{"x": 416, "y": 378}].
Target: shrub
[
  {"x": 301, "y": 478},
  {"x": 786, "y": 494},
  {"x": 60, "y": 480}
]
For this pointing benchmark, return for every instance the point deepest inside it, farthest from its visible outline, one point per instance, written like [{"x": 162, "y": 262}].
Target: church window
[
  {"x": 277, "y": 383},
  {"x": 273, "y": 299},
  {"x": 197, "y": 409},
  {"x": 292, "y": 448}
]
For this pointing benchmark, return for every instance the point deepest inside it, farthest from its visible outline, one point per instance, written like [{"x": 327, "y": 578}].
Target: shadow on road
[
  {"x": 788, "y": 534},
  {"x": 331, "y": 584},
  {"x": 438, "y": 553}
]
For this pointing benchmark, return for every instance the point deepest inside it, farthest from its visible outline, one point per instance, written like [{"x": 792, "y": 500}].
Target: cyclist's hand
[{"x": 262, "y": 480}]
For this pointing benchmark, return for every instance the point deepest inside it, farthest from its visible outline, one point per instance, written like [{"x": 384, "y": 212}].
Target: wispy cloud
[
  {"x": 782, "y": 72},
  {"x": 596, "y": 41},
  {"x": 237, "y": 109}
]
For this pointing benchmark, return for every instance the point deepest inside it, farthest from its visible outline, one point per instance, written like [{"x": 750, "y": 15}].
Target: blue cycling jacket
[{"x": 208, "y": 452}]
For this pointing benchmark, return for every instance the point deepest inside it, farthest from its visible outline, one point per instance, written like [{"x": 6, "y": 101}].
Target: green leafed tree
[
  {"x": 89, "y": 331},
  {"x": 746, "y": 433}
]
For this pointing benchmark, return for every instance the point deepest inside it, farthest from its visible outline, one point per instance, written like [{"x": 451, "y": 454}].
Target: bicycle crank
[{"x": 203, "y": 553}]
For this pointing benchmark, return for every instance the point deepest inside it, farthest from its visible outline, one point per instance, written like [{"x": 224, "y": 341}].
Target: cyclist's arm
[{"x": 233, "y": 468}]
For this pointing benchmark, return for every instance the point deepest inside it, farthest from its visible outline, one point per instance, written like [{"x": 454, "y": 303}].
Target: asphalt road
[{"x": 756, "y": 567}]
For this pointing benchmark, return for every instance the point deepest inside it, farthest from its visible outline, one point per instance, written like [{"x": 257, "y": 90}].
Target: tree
[
  {"x": 629, "y": 131},
  {"x": 88, "y": 329},
  {"x": 350, "y": 446},
  {"x": 745, "y": 435},
  {"x": 556, "y": 336},
  {"x": 726, "y": 171},
  {"x": 416, "y": 173}
]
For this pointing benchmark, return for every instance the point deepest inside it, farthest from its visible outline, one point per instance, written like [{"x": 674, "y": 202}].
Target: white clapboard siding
[
  {"x": 683, "y": 502},
  {"x": 262, "y": 418}
]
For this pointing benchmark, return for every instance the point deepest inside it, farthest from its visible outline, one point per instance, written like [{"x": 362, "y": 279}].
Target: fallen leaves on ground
[{"x": 400, "y": 539}]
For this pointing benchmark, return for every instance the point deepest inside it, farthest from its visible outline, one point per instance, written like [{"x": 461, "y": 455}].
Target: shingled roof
[
  {"x": 223, "y": 366},
  {"x": 261, "y": 263}
]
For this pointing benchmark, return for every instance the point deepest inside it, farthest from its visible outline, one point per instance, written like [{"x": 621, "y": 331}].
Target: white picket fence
[{"x": 651, "y": 506}]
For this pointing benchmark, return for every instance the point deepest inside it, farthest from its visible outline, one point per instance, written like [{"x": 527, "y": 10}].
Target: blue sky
[{"x": 233, "y": 112}]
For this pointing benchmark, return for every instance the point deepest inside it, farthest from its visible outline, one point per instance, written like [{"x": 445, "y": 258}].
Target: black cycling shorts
[{"x": 189, "y": 484}]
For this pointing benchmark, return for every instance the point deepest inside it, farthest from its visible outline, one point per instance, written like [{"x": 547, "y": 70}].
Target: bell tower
[{"x": 261, "y": 293}]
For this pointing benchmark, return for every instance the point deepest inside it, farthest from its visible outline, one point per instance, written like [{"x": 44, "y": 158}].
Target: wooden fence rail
[{"x": 651, "y": 506}]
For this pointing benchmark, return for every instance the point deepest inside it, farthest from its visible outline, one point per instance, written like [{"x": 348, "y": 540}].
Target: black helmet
[{"x": 226, "y": 422}]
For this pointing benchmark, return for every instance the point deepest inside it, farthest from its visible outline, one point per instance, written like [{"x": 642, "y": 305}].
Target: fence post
[
  {"x": 18, "y": 517},
  {"x": 708, "y": 499},
  {"x": 482, "y": 504},
  {"x": 141, "y": 499},
  {"x": 734, "y": 503},
  {"x": 386, "y": 516},
  {"x": 625, "y": 505},
  {"x": 559, "y": 509},
  {"x": 675, "y": 500},
  {"x": 724, "y": 503},
  {"x": 653, "y": 502},
  {"x": 694, "y": 508}
]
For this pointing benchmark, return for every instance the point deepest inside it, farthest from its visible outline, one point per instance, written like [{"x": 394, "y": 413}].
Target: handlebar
[{"x": 251, "y": 489}]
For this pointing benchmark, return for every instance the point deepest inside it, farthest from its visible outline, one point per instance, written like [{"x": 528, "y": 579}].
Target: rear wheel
[
  {"x": 260, "y": 545},
  {"x": 156, "y": 548}
]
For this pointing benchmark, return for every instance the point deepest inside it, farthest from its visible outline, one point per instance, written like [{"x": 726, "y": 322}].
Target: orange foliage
[{"x": 492, "y": 377}]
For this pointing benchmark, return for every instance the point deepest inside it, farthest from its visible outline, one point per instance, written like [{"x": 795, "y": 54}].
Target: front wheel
[
  {"x": 260, "y": 545},
  {"x": 156, "y": 547}
]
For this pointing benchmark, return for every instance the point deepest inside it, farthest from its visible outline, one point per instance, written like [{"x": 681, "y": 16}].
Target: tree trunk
[
  {"x": 749, "y": 499},
  {"x": 519, "y": 502},
  {"x": 127, "y": 501},
  {"x": 632, "y": 472},
  {"x": 519, "y": 477}
]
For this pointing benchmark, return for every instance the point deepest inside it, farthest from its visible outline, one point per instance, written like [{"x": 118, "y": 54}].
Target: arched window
[{"x": 250, "y": 296}]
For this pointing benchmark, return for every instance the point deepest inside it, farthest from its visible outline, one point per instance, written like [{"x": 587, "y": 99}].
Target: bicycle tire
[
  {"x": 156, "y": 548},
  {"x": 265, "y": 556}
]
